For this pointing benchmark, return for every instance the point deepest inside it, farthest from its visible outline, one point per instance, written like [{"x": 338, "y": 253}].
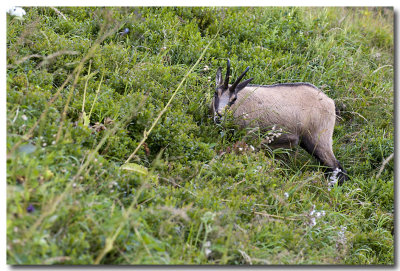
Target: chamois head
[{"x": 225, "y": 94}]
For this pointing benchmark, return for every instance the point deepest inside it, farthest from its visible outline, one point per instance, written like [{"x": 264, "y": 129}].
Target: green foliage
[{"x": 80, "y": 96}]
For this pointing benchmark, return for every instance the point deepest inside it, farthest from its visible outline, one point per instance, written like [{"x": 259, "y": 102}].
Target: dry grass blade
[
  {"x": 25, "y": 58},
  {"x": 76, "y": 72},
  {"x": 28, "y": 135},
  {"x": 110, "y": 240},
  {"x": 147, "y": 132},
  {"x": 59, "y": 13},
  {"x": 387, "y": 160},
  {"x": 46, "y": 60},
  {"x": 276, "y": 216},
  {"x": 246, "y": 257},
  {"x": 55, "y": 203}
]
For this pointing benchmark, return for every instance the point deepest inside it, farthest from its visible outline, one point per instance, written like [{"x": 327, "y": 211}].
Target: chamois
[{"x": 304, "y": 113}]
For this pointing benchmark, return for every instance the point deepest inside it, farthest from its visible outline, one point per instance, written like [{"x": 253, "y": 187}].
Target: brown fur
[
  {"x": 304, "y": 113},
  {"x": 300, "y": 110}
]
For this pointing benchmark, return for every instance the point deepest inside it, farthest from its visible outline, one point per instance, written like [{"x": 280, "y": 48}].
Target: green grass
[{"x": 81, "y": 98}]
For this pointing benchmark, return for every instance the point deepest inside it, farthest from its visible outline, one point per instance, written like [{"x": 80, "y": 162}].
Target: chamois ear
[
  {"x": 218, "y": 78},
  {"x": 228, "y": 72},
  {"x": 243, "y": 85}
]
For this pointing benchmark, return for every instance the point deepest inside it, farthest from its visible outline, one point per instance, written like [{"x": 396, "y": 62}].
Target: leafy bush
[{"x": 85, "y": 84}]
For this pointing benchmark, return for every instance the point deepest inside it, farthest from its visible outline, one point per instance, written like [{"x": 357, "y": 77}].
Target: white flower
[
  {"x": 206, "y": 246},
  {"x": 206, "y": 68},
  {"x": 16, "y": 11},
  {"x": 319, "y": 214},
  {"x": 258, "y": 169},
  {"x": 252, "y": 148},
  {"x": 314, "y": 214},
  {"x": 286, "y": 194},
  {"x": 341, "y": 237},
  {"x": 342, "y": 232},
  {"x": 312, "y": 210},
  {"x": 24, "y": 117}
]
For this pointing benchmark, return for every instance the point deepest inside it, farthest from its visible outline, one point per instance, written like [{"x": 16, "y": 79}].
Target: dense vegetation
[{"x": 113, "y": 157}]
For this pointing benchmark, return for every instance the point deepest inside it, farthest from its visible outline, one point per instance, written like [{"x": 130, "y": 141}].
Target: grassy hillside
[{"x": 89, "y": 89}]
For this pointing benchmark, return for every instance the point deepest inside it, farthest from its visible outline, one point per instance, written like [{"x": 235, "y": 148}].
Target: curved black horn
[
  {"x": 228, "y": 71},
  {"x": 232, "y": 88}
]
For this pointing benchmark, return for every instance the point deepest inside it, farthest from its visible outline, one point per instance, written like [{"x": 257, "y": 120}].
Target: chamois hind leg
[{"x": 324, "y": 153}]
